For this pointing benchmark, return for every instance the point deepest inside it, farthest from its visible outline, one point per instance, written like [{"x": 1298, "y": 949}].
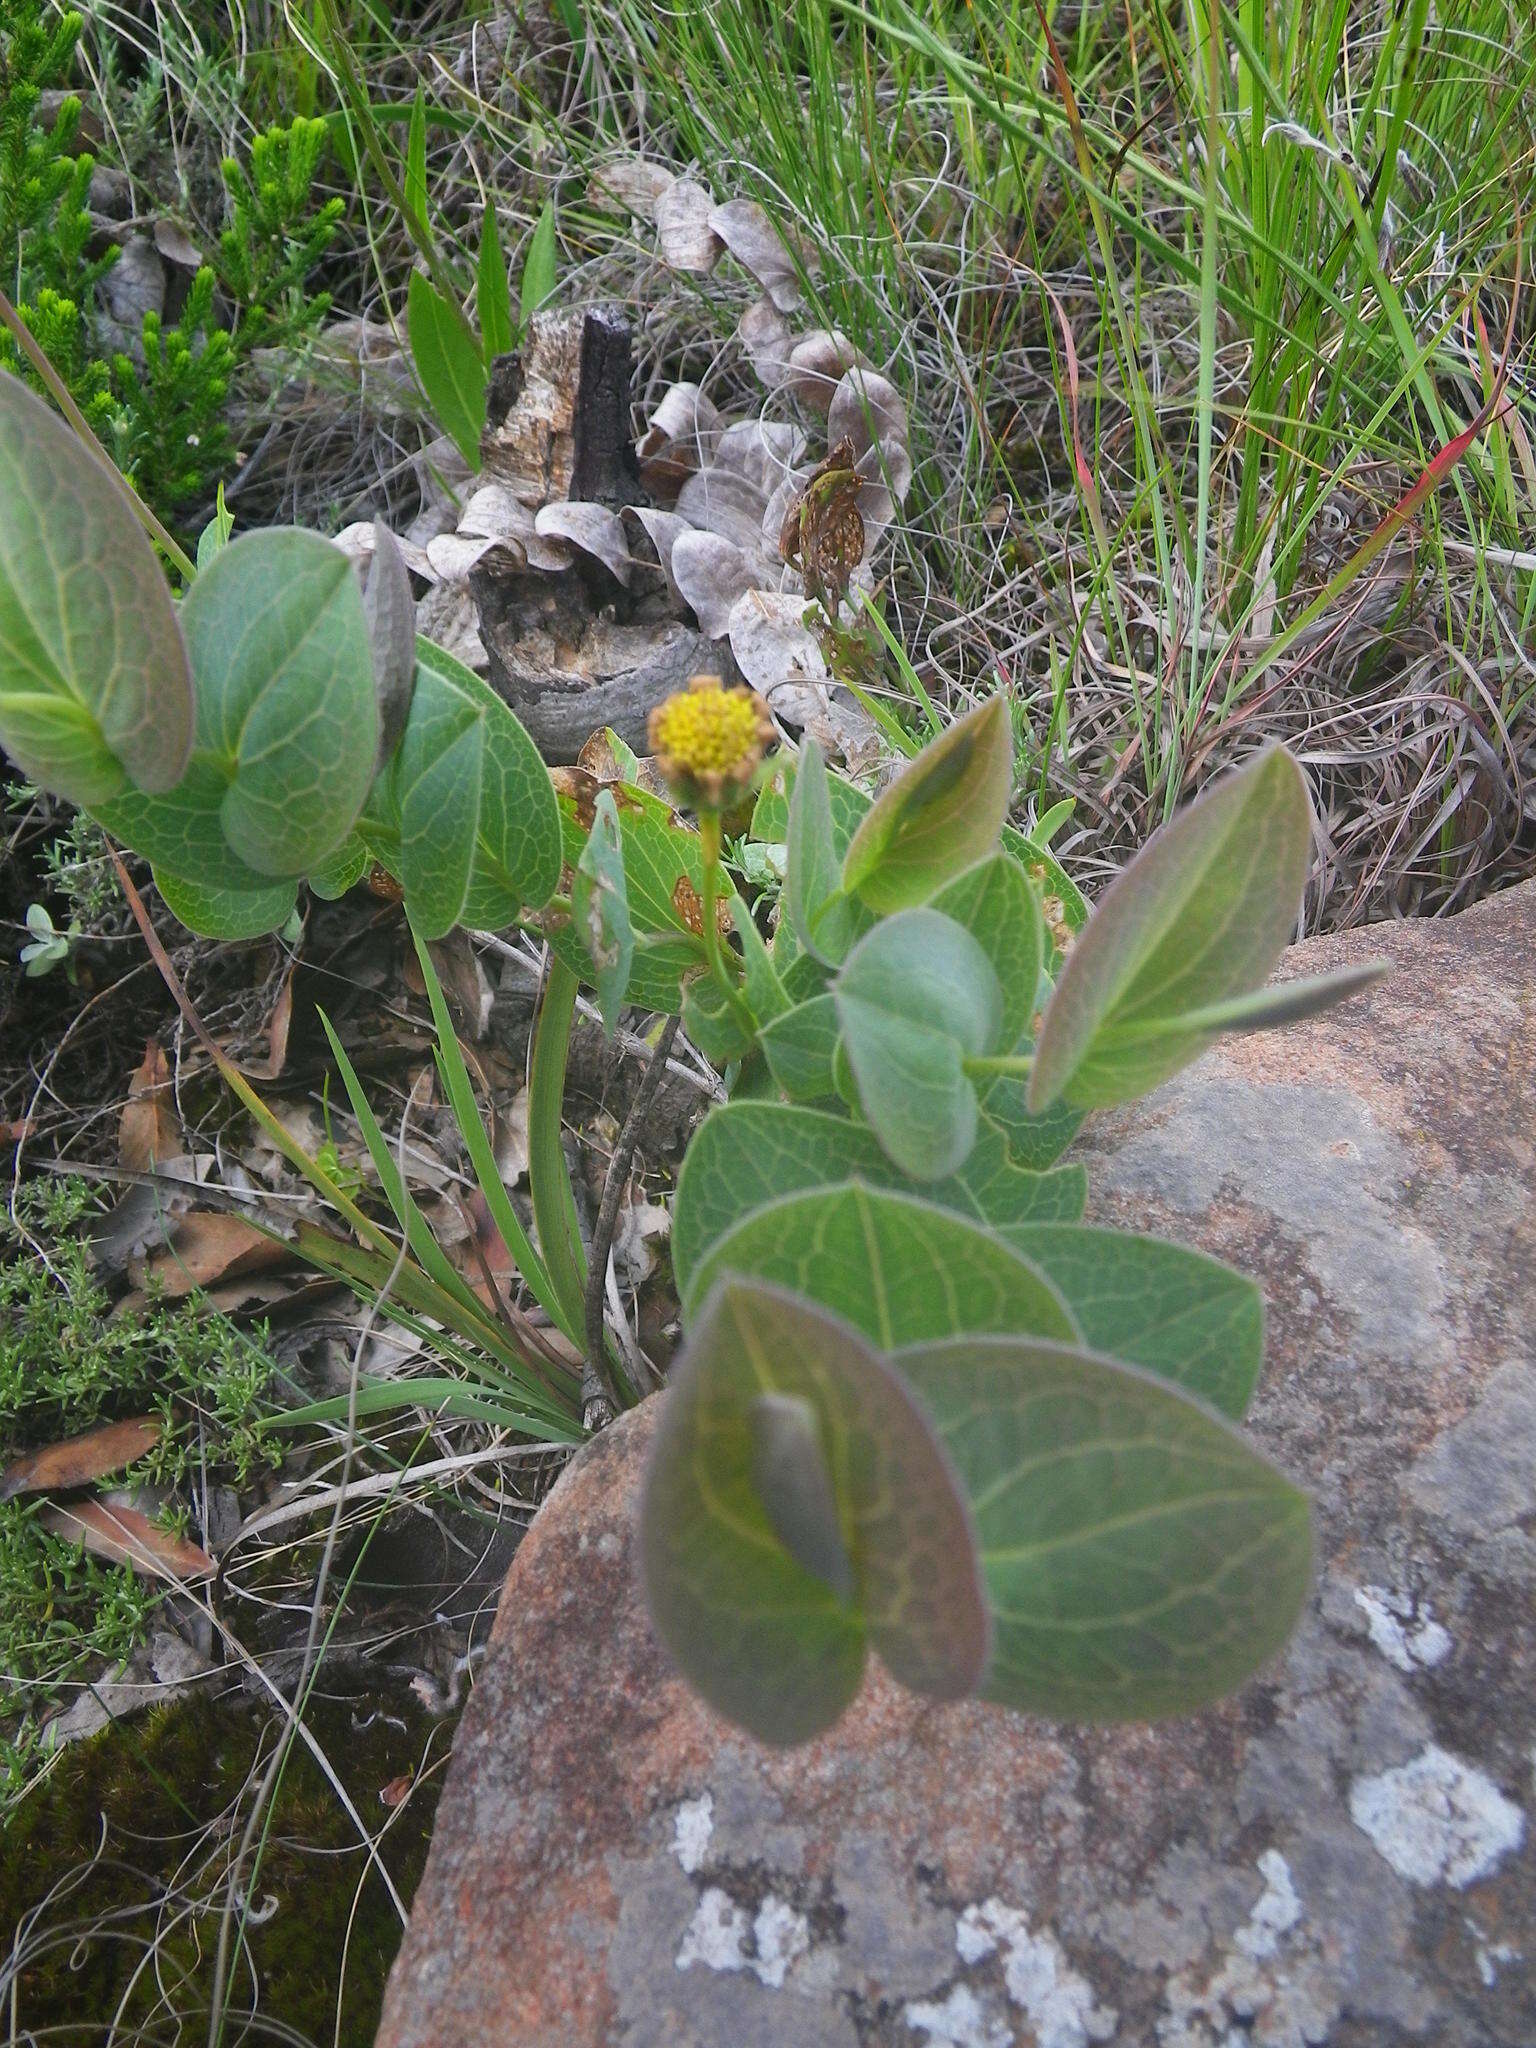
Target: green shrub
[{"x": 164, "y": 409}]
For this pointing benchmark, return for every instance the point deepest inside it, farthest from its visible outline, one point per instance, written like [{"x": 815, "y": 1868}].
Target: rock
[{"x": 1342, "y": 1854}]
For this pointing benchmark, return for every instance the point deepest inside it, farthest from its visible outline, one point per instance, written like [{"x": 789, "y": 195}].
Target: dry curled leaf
[
  {"x": 688, "y": 241},
  {"x": 125, "y": 1536},
  {"x": 757, "y": 246},
  {"x": 711, "y": 572},
  {"x": 80, "y": 1459}
]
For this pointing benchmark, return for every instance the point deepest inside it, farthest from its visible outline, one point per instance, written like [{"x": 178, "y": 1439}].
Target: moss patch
[{"x": 168, "y": 1794}]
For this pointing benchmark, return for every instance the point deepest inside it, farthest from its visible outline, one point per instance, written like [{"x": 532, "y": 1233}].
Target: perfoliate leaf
[
  {"x": 765, "y": 1628},
  {"x": 95, "y": 685},
  {"x": 449, "y": 364},
  {"x": 286, "y": 721},
  {"x": 942, "y": 813},
  {"x": 493, "y": 298},
  {"x": 1198, "y": 918},
  {"x": 389, "y": 606},
  {"x": 285, "y": 695},
  {"x": 813, "y": 892},
  {"x": 540, "y": 264},
  {"x": 1179, "y": 1314},
  {"x": 518, "y": 851},
  {"x": 337, "y": 873},
  {"x": 664, "y": 876},
  {"x": 799, "y": 1046},
  {"x": 436, "y": 780},
  {"x": 1139, "y": 1558},
  {"x": 218, "y": 913},
  {"x": 997, "y": 906},
  {"x": 710, "y": 1023},
  {"x": 746, "y": 1154},
  {"x": 903, "y": 1271},
  {"x": 1064, "y": 912},
  {"x": 915, "y": 996},
  {"x": 600, "y": 910},
  {"x": 1033, "y": 1141}
]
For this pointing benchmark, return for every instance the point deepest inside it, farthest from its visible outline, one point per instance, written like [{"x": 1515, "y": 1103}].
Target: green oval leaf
[
  {"x": 95, "y": 686},
  {"x": 286, "y": 711},
  {"x": 915, "y": 996},
  {"x": 901, "y": 1270},
  {"x": 799, "y": 1046},
  {"x": 1201, "y": 915},
  {"x": 1140, "y": 1558},
  {"x": 436, "y": 777},
  {"x": 1179, "y": 1314},
  {"x": 757, "y": 1623},
  {"x": 217, "y": 913},
  {"x": 942, "y": 813},
  {"x": 747, "y": 1154},
  {"x": 518, "y": 852},
  {"x": 994, "y": 902}
]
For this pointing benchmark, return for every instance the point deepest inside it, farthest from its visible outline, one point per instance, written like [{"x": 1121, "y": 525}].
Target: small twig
[{"x": 598, "y": 1398}]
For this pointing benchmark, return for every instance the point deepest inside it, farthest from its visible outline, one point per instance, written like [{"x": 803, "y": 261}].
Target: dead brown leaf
[
  {"x": 125, "y": 1536},
  {"x": 80, "y": 1459},
  {"x": 210, "y": 1246},
  {"x": 279, "y": 1024},
  {"x": 148, "y": 1130}
]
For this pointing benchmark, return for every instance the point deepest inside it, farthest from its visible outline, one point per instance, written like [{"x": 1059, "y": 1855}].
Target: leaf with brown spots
[{"x": 823, "y": 529}]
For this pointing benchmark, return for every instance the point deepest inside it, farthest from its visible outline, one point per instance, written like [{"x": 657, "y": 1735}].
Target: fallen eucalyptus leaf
[
  {"x": 757, "y": 246},
  {"x": 124, "y": 1536},
  {"x": 96, "y": 1454}
]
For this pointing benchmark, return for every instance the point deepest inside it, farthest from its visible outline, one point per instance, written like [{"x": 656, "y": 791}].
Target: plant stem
[
  {"x": 597, "y": 1389},
  {"x": 983, "y": 1065},
  {"x": 549, "y": 1183},
  {"x": 710, "y": 834},
  {"x": 59, "y": 392}
]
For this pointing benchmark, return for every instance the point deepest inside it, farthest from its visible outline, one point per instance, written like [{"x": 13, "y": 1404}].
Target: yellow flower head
[{"x": 709, "y": 741}]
